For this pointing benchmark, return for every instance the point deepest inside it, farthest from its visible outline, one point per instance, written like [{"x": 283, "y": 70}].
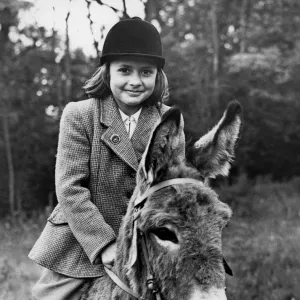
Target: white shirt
[{"x": 130, "y": 121}]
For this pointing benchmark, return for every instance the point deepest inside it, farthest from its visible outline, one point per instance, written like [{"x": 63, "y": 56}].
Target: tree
[
  {"x": 32, "y": 76},
  {"x": 245, "y": 50},
  {"x": 8, "y": 14}
]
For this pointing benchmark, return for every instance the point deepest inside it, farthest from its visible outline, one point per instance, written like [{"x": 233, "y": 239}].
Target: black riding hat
[{"x": 133, "y": 37}]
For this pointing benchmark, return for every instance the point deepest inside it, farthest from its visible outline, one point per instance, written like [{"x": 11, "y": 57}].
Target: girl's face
[{"x": 132, "y": 81}]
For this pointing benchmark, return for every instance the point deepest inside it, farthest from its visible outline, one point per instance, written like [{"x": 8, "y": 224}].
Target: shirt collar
[{"x": 134, "y": 116}]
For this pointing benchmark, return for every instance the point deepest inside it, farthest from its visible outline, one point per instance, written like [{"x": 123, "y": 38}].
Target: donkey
[{"x": 169, "y": 245}]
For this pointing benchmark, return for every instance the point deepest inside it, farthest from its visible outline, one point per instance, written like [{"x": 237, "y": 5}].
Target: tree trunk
[
  {"x": 18, "y": 197},
  {"x": 96, "y": 44},
  {"x": 216, "y": 51},
  {"x": 59, "y": 86},
  {"x": 125, "y": 9},
  {"x": 67, "y": 61},
  {"x": 6, "y": 23},
  {"x": 243, "y": 25},
  {"x": 9, "y": 158},
  {"x": 58, "y": 72}
]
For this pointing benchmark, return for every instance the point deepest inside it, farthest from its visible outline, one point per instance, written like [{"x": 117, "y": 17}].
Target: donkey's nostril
[{"x": 165, "y": 234}]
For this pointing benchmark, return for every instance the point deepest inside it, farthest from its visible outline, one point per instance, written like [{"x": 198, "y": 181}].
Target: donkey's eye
[{"x": 165, "y": 234}]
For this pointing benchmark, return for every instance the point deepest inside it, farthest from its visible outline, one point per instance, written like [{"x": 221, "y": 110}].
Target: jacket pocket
[{"x": 57, "y": 217}]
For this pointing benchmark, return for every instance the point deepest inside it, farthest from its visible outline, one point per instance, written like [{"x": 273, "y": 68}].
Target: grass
[
  {"x": 17, "y": 272},
  {"x": 261, "y": 244},
  {"x": 262, "y": 241}
]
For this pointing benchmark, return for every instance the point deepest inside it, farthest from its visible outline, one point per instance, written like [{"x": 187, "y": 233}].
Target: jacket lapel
[
  {"x": 116, "y": 136},
  {"x": 148, "y": 118}
]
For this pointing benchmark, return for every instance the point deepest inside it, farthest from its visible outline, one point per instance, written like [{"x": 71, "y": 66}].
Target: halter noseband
[{"x": 162, "y": 185}]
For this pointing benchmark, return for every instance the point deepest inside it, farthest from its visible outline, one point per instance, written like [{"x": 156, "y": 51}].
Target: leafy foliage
[
  {"x": 249, "y": 52},
  {"x": 262, "y": 240},
  {"x": 259, "y": 66}
]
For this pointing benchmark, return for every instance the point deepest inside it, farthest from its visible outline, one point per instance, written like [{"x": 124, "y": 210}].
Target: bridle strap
[
  {"x": 121, "y": 284},
  {"x": 162, "y": 185},
  {"x": 127, "y": 289},
  {"x": 151, "y": 283}
]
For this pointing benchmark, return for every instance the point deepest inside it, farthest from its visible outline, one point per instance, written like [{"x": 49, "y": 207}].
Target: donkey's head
[{"x": 182, "y": 223}]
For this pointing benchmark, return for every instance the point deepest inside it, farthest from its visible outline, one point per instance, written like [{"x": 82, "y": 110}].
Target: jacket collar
[
  {"x": 116, "y": 136},
  {"x": 109, "y": 111}
]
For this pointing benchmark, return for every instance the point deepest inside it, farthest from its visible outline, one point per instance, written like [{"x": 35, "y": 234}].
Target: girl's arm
[{"x": 71, "y": 180}]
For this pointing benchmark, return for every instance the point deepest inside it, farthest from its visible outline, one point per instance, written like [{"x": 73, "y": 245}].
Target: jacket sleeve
[{"x": 71, "y": 178}]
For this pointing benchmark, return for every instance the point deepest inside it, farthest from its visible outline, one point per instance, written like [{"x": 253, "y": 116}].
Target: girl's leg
[{"x": 56, "y": 286}]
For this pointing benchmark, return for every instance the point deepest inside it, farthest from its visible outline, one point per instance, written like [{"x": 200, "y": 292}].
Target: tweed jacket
[{"x": 95, "y": 176}]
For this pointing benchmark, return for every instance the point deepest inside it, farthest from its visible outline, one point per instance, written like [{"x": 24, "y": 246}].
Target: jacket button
[{"x": 115, "y": 139}]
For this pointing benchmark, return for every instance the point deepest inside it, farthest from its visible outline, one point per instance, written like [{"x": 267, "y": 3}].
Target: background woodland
[{"x": 216, "y": 51}]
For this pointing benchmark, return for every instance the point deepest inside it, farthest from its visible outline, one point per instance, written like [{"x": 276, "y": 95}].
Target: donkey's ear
[
  {"x": 162, "y": 148},
  {"x": 213, "y": 152}
]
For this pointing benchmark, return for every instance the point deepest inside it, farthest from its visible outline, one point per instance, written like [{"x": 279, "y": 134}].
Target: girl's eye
[
  {"x": 124, "y": 70},
  {"x": 147, "y": 72}
]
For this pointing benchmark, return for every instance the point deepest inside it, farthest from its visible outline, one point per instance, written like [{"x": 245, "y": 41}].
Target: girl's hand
[{"x": 108, "y": 255}]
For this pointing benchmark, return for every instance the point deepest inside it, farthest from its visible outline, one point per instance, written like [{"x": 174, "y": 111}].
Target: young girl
[{"x": 101, "y": 142}]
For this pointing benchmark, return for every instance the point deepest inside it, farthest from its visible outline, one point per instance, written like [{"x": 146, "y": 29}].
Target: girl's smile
[
  {"x": 134, "y": 93},
  {"x": 132, "y": 81}
]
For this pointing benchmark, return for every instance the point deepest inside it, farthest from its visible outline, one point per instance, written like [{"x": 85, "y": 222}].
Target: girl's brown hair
[{"x": 98, "y": 86}]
